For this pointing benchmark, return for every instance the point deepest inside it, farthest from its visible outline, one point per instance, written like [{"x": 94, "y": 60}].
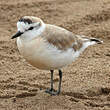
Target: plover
[{"x": 49, "y": 47}]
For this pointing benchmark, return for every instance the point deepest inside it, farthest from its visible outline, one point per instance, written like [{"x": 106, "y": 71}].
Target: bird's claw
[{"x": 52, "y": 92}]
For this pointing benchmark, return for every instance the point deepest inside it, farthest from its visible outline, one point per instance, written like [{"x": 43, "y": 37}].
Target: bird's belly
[
  {"x": 48, "y": 60},
  {"x": 45, "y": 56}
]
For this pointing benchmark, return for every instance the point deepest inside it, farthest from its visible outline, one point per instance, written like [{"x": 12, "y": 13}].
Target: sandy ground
[{"x": 86, "y": 82}]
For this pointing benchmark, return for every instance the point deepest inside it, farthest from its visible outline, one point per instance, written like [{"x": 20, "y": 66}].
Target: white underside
[{"x": 45, "y": 56}]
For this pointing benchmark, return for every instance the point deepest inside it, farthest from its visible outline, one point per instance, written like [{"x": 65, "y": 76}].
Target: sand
[{"x": 86, "y": 82}]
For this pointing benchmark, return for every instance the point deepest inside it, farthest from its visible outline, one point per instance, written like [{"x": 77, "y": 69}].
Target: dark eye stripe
[
  {"x": 25, "y": 20},
  {"x": 30, "y": 28}
]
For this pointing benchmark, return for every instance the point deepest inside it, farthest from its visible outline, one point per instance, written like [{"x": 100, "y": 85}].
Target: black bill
[{"x": 17, "y": 34}]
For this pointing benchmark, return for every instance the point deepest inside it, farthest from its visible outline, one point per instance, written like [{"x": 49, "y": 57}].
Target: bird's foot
[{"x": 52, "y": 92}]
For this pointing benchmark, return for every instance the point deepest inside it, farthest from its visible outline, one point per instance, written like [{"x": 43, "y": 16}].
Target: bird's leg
[
  {"x": 52, "y": 91},
  {"x": 60, "y": 80},
  {"x": 51, "y": 80}
]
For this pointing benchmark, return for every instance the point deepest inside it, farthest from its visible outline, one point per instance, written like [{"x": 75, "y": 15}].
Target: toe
[{"x": 52, "y": 92}]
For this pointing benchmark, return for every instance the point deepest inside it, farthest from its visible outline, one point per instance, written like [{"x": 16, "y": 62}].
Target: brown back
[{"x": 61, "y": 38}]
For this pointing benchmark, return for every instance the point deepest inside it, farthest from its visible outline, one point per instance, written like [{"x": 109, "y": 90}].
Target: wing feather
[{"x": 60, "y": 37}]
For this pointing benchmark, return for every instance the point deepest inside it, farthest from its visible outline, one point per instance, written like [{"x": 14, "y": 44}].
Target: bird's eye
[{"x": 30, "y": 28}]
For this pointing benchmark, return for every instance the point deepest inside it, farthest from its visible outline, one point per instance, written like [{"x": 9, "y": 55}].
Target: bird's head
[{"x": 27, "y": 24}]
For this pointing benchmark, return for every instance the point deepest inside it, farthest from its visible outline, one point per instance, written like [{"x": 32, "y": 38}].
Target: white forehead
[{"x": 21, "y": 26}]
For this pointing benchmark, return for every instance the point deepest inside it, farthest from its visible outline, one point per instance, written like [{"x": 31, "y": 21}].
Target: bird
[{"x": 49, "y": 47}]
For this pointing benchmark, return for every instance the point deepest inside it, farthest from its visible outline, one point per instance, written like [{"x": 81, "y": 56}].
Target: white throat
[{"x": 29, "y": 35}]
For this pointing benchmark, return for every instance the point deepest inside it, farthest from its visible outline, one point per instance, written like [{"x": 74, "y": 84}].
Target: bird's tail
[
  {"x": 97, "y": 41},
  {"x": 91, "y": 40}
]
